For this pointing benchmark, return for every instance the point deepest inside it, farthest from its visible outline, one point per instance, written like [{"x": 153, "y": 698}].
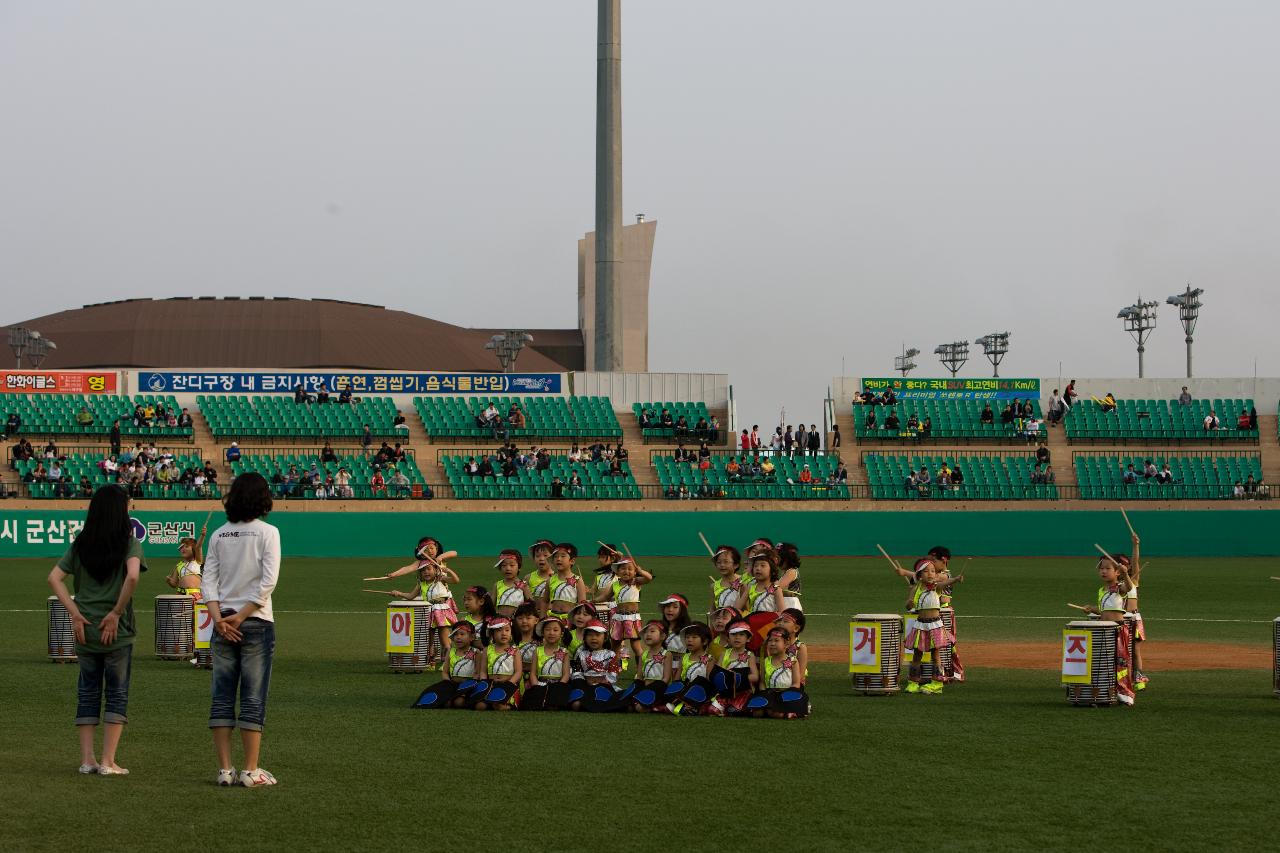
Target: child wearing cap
[
  {"x": 793, "y": 621},
  {"x": 595, "y": 664},
  {"x": 503, "y": 667},
  {"x": 789, "y": 574},
  {"x": 693, "y": 669},
  {"x": 428, "y": 550},
  {"x": 463, "y": 665},
  {"x": 739, "y": 661},
  {"x": 550, "y": 667},
  {"x": 565, "y": 589},
  {"x": 778, "y": 674},
  {"x": 624, "y": 592},
  {"x": 654, "y": 664},
  {"x": 675, "y": 618},
  {"x": 726, "y": 588},
  {"x": 577, "y": 623},
  {"x": 762, "y": 594},
  {"x": 537, "y": 579},
  {"x": 606, "y": 556},
  {"x": 510, "y": 591}
]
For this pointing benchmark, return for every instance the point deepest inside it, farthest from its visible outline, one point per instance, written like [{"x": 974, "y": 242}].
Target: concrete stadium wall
[
  {"x": 33, "y": 533},
  {"x": 627, "y": 388},
  {"x": 1265, "y": 391}
]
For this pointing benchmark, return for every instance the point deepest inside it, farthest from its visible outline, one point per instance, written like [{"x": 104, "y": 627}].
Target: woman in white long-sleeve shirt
[{"x": 240, "y": 572}]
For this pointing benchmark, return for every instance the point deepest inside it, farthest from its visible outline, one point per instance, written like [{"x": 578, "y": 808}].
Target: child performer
[
  {"x": 606, "y": 555},
  {"x": 693, "y": 670},
  {"x": 478, "y": 604},
  {"x": 540, "y": 552},
  {"x": 185, "y": 577},
  {"x": 596, "y": 667},
  {"x": 428, "y": 550},
  {"x": 433, "y": 588},
  {"x": 503, "y": 666},
  {"x": 1140, "y": 679},
  {"x": 463, "y": 670},
  {"x": 624, "y": 592},
  {"x": 510, "y": 591},
  {"x": 780, "y": 696},
  {"x": 740, "y": 663},
  {"x": 675, "y": 618},
  {"x": 789, "y": 574},
  {"x": 927, "y": 633},
  {"x": 1110, "y": 606},
  {"x": 549, "y": 673},
  {"x": 726, "y": 588},
  {"x": 524, "y": 634},
  {"x": 762, "y": 594},
  {"x": 941, "y": 556},
  {"x": 651, "y": 671},
  {"x": 575, "y": 628},
  {"x": 565, "y": 589},
  {"x": 793, "y": 621},
  {"x": 721, "y": 618}
]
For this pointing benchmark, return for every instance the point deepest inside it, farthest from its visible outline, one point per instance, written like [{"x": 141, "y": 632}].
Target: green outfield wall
[{"x": 35, "y": 533}]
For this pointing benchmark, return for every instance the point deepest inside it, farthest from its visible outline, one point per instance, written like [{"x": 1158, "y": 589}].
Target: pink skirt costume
[
  {"x": 444, "y": 612},
  {"x": 624, "y": 626},
  {"x": 928, "y": 636}
]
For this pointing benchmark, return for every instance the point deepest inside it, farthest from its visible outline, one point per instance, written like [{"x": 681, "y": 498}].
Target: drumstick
[
  {"x": 892, "y": 561},
  {"x": 206, "y": 519},
  {"x": 1105, "y": 554},
  {"x": 378, "y": 591},
  {"x": 1274, "y": 578},
  {"x": 379, "y": 578},
  {"x": 612, "y": 550},
  {"x": 1077, "y": 607},
  {"x": 1127, "y": 523},
  {"x": 707, "y": 545}
]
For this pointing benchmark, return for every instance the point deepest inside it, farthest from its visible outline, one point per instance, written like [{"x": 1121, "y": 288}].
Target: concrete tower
[{"x": 608, "y": 349}]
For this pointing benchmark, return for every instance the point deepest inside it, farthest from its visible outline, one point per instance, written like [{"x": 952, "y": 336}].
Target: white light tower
[
  {"x": 1188, "y": 304},
  {"x": 953, "y": 355},
  {"x": 1139, "y": 321},
  {"x": 507, "y": 347},
  {"x": 905, "y": 363},
  {"x": 995, "y": 346}
]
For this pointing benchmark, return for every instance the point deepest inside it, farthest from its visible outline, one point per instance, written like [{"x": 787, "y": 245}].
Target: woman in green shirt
[{"x": 105, "y": 560}]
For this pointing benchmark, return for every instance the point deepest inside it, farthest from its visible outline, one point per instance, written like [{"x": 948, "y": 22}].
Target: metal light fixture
[
  {"x": 1188, "y": 304},
  {"x": 40, "y": 347},
  {"x": 507, "y": 347},
  {"x": 904, "y": 363},
  {"x": 19, "y": 340},
  {"x": 994, "y": 346},
  {"x": 953, "y": 355},
  {"x": 1139, "y": 321},
  {"x": 32, "y": 344}
]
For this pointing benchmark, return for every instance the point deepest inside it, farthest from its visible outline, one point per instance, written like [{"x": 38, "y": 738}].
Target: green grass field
[{"x": 1003, "y": 761}]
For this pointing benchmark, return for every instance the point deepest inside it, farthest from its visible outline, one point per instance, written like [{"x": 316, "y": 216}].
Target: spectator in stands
[
  {"x": 344, "y": 397},
  {"x": 733, "y": 470},
  {"x": 490, "y": 413},
  {"x": 84, "y": 418},
  {"x": 802, "y": 440},
  {"x": 682, "y": 426},
  {"x": 1028, "y": 409},
  {"x": 233, "y": 453},
  {"x": 1056, "y": 411},
  {"x": 776, "y": 445},
  {"x": 806, "y": 476},
  {"x": 789, "y": 442},
  {"x": 957, "y": 478},
  {"x": 300, "y": 394},
  {"x": 700, "y": 428},
  {"x": 909, "y": 484},
  {"x": 615, "y": 469},
  {"x": 713, "y": 430},
  {"x": 508, "y": 466},
  {"x": 704, "y": 451},
  {"x": 184, "y": 420},
  {"x": 377, "y": 485},
  {"x": 1069, "y": 396},
  {"x": 867, "y": 398},
  {"x": 139, "y": 416},
  {"x": 575, "y": 484},
  {"x": 744, "y": 443},
  {"x": 1184, "y": 399},
  {"x": 210, "y": 473},
  {"x": 322, "y": 394},
  {"x": 12, "y": 424},
  {"x": 943, "y": 478},
  {"x": 1107, "y": 403},
  {"x": 1042, "y": 454},
  {"x": 328, "y": 454},
  {"x": 1242, "y": 422},
  {"x": 987, "y": 416},
  {"x": 1253, "y": 417},
  {"x": 666, "y": 421},
  {"x": 1164, "y": 477},
  {"x": 835, "y": 436},
  {"x": 888, "y": 398},
  {"x": 815, "y": 440},
  {"x": 515, "y": 418},
  {"x": 767, "y": 470},
  {"x": 1237, "y": 491},
  {"x": 86, "y": 487},
  {"x": 646, "y": 419},
  {"x": 704, "y": 463},
  {"x": 314, "y": 474},
  {"x": 485, "y": 468},
  {"x": 891, "y": 423},
  {"x": 1007, "y": 415},
  {"x": 1037, "y": 476},
  {"x": 842, "y": 473},
  {"x": 1130, "y": 476},
  {"x": 366, "y": 439},
  {"x": 1049, "y": 477},
  {"x": 1031, "y": 429},
  {"x": 342, "y": 484},
  {"x": 1211, "y": 421},
  {"x": 399, "y": 484},
  {"x": 926, "y": 428},
  {"x": 575, "y": 454},
  {"x": 1251, "y": 486},
  {"x": 704, "y": 489},
  {"x": 400, "y": 423}
]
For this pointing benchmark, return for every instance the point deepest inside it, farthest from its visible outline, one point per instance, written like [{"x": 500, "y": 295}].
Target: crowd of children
[{"x": 551, "y": 640}]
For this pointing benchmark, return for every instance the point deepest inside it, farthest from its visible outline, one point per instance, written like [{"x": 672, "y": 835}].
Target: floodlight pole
[
  {"x": 1140, "y": 321},
  {"x": 1188, "y": 305},
  {"x": 995, "y": 346},
  {"x": 953, "y": 355},
  {"x": 19, "y": 340},
  {"x": 904, "y": 363},
  {"x": 507, "y": 347}
]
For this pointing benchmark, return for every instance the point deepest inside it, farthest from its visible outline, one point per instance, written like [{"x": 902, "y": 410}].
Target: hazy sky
[{"x": 831, "y": 179}]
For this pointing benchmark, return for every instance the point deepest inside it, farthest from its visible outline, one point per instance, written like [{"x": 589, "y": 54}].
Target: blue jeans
[
  {"x": 243, "y": 666},
  {"x": 114, "y": 668}
]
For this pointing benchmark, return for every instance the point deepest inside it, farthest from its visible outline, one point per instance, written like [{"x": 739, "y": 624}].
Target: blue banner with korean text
[
  {"x": 954, "y": 389},
  {"x": 225, "y": 382}
]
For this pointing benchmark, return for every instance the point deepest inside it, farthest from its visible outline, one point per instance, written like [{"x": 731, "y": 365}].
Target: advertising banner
[
  {"x": 223, "y": 382},
  {"x": 59, "y": 382},
  {"x": 954, "y": 389}
]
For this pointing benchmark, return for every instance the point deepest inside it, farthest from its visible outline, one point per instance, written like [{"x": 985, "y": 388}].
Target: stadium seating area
[
  {"x": 549, "y": 418},
  {"x": 55, "y": 414},
  {"x": 530, "y": 483},
  {"x": 952, "y": 420},
  {"x": 1158, "y": 420},
  {"x": 998, "y": 478},
  {"x": 77, "y": 465},
  {"x": 692, "y": 412},
  {"x": 1101, "y": 477},
  {"x": 267, "y": 416},
  {"x": 360, "y": 468},
  {"x": 784, "y": 485}
]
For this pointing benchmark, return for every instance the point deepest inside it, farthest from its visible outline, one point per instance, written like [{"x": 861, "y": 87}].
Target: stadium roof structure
[{"x": 258, "y": 332}]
